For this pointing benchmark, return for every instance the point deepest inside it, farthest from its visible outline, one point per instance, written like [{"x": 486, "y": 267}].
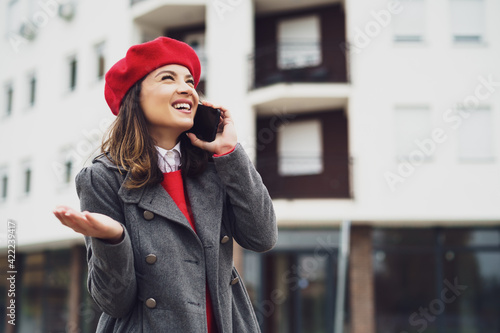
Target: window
[
  {"x": 197, "y": 42},
  {"x": 409, "y": 24},
  {"x": 412, "y": 126},
  {"x": 68, "y": 168},
  {"x": 101, "y": 60},
  {"x": 293, "y": 287},
  {"x": 304, "y": 155},
  {"x": 4, "y": 183},
  {"x": 32, "y": 90},
  {"x": 437, "y": 280},
  {"x": 43, "y": 298},
  {"x": 475, "y": 135},
  {"x": 299, "y": 42},
  {"x": 27, "y": 181},
  {"x": 467, "y": 20},
  {"x": 9, "y": 98},
  {"x": 73, "y": 66},
  {"x": 300, "y": 148},
  {"x": 63, "y": 166},
  {"x": 14, "y": 16}
]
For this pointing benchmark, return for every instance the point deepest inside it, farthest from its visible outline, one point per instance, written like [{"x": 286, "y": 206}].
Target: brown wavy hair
[{"x": 129, "y": 145}]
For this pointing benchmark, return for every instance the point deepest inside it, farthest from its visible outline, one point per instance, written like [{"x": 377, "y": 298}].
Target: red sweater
[{"x": 173, "y": 184}]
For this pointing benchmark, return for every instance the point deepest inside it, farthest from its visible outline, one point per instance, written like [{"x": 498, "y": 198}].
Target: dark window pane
[
  {"x": 100, "y": 67},
  {"x": 299, "y": 291},
  {"x": 404, "y": 282},
  {"x": 320, "y": 240},
  {"x": 32, "y": 90},
  {"x": 99, "y": 49},
  {"x": 420, "y": 238},
  {"x": 31, "y": 298},
  {"x": 72, "y": 73},
  {"x": 279, "y": 286},
  {"x": 57, "y": 282},
  {"x": 4, "y": 287},
  {"x": 27, "y": 181},
  {"x": 473, "y": 280},
  {"x": 313, "y": 292},
  {"x": 68, "y": 167},
  {"x": 471, "y": 237},
  {"x": 44, "y": 292},
  {"x": 10, "y": 99},
  {"x": 5, "y": 184}
]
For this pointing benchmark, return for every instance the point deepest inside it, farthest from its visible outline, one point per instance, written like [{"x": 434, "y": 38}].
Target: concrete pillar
[
  {"x": 361, "y": 276},
  {"x": 229, "y": 42}
]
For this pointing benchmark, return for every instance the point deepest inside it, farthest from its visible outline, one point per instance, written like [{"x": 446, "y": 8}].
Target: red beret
[{"x": 141, "y": 60}]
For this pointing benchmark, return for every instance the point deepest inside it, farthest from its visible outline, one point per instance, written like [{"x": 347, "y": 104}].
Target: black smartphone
[{"x": 206, "y": 123}]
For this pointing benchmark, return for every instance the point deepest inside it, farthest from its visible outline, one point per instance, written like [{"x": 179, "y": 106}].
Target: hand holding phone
[{"x": 206, "y": 123}]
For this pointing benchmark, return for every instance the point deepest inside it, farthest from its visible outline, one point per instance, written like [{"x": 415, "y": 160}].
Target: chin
[{"x": 186, "y": 125}]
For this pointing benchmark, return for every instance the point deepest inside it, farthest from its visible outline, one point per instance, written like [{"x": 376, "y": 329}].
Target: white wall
[
  {"x": 436, "y": 73},
  {"x": 60, "y": 119}
]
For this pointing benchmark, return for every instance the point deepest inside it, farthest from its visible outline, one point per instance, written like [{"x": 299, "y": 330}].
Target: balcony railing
[
  {"x": 335, "y": 180},
  {"x": 297, "y": 63}
]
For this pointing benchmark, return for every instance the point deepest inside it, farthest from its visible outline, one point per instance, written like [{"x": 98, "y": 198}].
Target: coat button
[
  {"x": 224, "y": 240},
  {"x": 148, "y": 215},
  {"x": 151, "y": 259},
  {"x": 151, "y": 303},
  {"x": 235, "y": 281}
]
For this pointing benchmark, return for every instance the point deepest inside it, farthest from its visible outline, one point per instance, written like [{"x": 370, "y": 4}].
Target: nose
[{"x": 184, "y": 88}]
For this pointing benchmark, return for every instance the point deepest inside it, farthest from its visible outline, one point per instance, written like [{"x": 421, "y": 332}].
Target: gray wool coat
[{"x": 155, "y": 279}]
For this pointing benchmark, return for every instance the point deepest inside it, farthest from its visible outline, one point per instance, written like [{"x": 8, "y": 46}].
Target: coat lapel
[
  {"x": 156, "y": 200},
  {"x": 205, "y": 194}
]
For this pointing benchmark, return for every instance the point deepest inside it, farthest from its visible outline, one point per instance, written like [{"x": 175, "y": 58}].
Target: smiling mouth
[{"x": 182, "y": 106}]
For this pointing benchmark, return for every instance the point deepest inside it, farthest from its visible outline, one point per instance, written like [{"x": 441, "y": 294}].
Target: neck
[{"x": 166, "y": 139}]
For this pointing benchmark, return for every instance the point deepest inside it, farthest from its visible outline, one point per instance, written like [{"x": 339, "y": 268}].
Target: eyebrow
[{"x": 172, "y": 73}]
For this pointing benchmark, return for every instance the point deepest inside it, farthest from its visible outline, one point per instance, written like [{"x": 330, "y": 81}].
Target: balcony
[
  {"x": 163, "y": 14},
  {"x": 297, "y": 63}
]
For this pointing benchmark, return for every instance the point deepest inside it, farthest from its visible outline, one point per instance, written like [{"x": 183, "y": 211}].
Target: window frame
[
  {"x": 72, "y": 73},
  {"x": 100, "y": 60},
  {"x": 401, "y": 38},
  {"x": 4, "y": 184},
  {"x": 9, "y": 94},
  {"x": 467, "y": 113},
  {"x": 315, "y": 41},
  {"x": 335, "y": 180},
  {"x": 459, "y": 39}
]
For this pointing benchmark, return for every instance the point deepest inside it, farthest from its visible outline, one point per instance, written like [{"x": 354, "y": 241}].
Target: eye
[
  {"x": 167, "y": 77},
  {"x": 190, "y": 81}
]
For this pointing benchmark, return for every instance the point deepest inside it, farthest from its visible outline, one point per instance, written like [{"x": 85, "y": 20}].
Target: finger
[
  {"x": 76, "y": 220},
  {"x": 63, "y": 218},
  {"x": 216, "y": 106},
  {"x": 68, "y": 222},
  {"x": 196, "y": 142},
  {"x": 206, "y": 103}
]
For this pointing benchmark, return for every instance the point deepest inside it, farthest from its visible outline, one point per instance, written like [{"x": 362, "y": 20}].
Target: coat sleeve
[
  {"x": 254, "y": 221},
  {"x": 111, "y": 273}
]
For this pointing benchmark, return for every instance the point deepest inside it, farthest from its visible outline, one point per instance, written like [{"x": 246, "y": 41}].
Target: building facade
[{"x": 374, "y": 125}]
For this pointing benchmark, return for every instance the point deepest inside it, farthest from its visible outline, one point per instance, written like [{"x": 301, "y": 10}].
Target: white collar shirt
[{"x": 169, "y": 160}]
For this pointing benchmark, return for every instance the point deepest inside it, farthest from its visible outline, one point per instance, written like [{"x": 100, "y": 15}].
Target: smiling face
[{"x": 169, "y": 101}]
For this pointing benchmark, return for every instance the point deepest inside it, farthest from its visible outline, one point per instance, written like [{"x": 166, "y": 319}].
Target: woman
[{"x": 160, "y": 207}]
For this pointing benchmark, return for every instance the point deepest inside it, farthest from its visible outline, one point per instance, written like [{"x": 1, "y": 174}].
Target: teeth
[{"x": 185, "y": 106}]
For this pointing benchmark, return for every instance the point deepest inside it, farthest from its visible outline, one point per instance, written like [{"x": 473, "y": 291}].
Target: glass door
[{"x": 301, "y": 286}]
